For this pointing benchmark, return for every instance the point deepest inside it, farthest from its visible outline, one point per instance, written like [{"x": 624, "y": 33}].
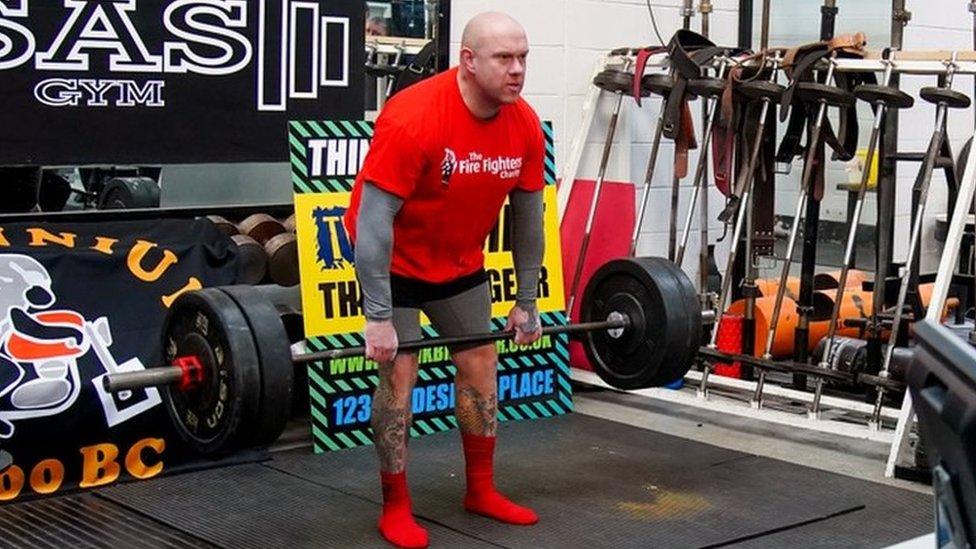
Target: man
[
  {"x": 445, "y": 154},
  {"x": 375, "y": 26}
]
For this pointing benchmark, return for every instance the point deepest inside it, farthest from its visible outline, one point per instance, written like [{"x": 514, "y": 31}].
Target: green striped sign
[
  {"x": 533, "y": 382},
  {"x": 310, "y": 141}
]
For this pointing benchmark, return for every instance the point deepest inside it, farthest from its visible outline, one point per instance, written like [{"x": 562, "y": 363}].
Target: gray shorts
[{"x": 468, "y": 312}]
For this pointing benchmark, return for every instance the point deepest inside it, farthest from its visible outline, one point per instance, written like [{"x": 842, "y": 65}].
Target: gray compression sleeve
[
  {"x": 528, "y": 243},
  {"x": 374, "y": 250}
]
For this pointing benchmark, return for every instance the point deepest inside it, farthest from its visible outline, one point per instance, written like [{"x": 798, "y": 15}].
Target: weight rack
[{"x": 914, "y": 63}]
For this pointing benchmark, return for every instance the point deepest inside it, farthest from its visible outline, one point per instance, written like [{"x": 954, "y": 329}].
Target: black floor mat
[
  {"x": 890, "y": 516},
  {"x": 85, "y": 521},
  {"x": 253, "y": 506},
  {"x": 599, "y": 483},
  {"x": 595, "y": 483}
]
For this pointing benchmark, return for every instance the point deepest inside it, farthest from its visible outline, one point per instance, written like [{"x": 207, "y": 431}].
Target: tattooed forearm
[
  {"x": 390, "y": 420},
  {"x": 476, "y": 413}
]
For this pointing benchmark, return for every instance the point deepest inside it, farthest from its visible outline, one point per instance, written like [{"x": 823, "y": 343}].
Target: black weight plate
[
  {"x": 613, "y": 80},
  {"x": 761, "y": 89},
  {"x": 658, "y": 84},
  {"x": 813, "y": 92},
  {"x": 123, "y": 193},
  {"x": 116, "y": 197},
  {"x": 706, "y": 87},
  {"x": 288, "y": 302},
  {"x": 277, "y": 369},
  {"x": 692, "y": 309},
  {"x": 54, "y": 192},
  {"x": 892, "y": 98},
  {"x": 685, "y": 324},
  {"x": 643, "y": 356},
  {"x": 212, "y": 418},
  {"x": 284, "y": 298},
  {"x": 952, "y": 98}
]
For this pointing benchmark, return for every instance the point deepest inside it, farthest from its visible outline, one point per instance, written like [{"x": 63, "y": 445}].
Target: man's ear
[{"x": 467, "y": 59}]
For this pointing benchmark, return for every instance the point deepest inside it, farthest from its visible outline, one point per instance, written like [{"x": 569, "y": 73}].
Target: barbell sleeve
[{"x": 150, "y": 377}]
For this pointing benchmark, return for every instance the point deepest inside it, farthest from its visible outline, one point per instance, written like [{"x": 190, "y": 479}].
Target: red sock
[
  {"x": 396, "y": 523},
  {"x": 482, "y": 497}
]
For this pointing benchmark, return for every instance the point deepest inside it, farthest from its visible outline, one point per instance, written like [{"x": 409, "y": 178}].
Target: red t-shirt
[{"x": 453, "y": 171}]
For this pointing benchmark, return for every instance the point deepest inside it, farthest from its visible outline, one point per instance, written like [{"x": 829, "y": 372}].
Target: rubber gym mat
[
  {"x": 253, "y": 506},
  {"x": 891, "y": 516},
  {"x": 597, "y": 483},
  {"x": 85, "y": 521}
]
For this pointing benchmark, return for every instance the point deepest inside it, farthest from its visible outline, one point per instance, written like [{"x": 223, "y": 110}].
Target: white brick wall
[
  {"x": 567, "y": 37},
  {"x": 935, "y": 24}
]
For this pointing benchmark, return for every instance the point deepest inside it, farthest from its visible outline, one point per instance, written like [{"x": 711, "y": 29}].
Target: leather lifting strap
[
  {"x": 687, "y": 51},
  {"x": 799, "y": 64},
  {"x": 639, "y": 65},
  {"x": 724, "y": 134},
  {"x": 418, "y": 69}
]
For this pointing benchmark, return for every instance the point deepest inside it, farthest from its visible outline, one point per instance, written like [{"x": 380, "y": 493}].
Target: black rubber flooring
[{"x": 595, "y": 483}]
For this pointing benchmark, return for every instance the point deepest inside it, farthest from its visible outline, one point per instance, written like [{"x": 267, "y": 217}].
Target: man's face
[
  {"x": 375, "y": 28},
  {"x": 499, "y": 66}
]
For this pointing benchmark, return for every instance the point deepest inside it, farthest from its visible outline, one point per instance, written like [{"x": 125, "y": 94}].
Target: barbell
[{"x": 229, "y": 368}]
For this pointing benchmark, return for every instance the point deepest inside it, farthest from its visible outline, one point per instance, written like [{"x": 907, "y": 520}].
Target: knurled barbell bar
[{"x": 189, "y": 373}]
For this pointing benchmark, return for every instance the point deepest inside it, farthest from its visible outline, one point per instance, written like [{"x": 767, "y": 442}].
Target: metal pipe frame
[
  {"x": 703, "y": 254},
  {"x": 700, "y": 183},
  {"x": 900, "y": 449},
  {"x": 736, "y": 407},
  {"x": 931, "y": 62}
]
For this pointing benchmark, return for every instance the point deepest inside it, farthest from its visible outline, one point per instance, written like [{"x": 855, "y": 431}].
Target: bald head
[
  {"x": 489, "y": 27},
  {"x": 492, "y": 65}
]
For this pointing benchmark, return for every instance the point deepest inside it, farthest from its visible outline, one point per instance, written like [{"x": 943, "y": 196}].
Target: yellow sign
[{"x": 330, "y": 292}]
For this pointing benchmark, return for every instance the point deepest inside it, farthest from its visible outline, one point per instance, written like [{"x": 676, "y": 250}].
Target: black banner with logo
[
  {"x": 172, "y": 81},
  {"x": 79, "y": 301}
]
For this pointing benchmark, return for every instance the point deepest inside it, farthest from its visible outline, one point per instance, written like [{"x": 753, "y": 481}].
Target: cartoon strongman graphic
[{"x": 40, "y": 346}]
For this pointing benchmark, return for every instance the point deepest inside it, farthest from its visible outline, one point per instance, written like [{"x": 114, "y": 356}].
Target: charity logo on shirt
[
  {"x": 504, "y": 167},
  {"x": 448, "y": 166}
]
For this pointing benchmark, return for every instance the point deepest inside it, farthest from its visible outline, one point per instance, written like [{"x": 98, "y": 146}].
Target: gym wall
[
  {"x": 935, "y": 25},
  {"x": 567, "y": 40},
  {"x": 568, "y": 37}
]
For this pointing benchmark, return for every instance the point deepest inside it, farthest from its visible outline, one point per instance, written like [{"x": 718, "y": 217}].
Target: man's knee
[
  {"x": 479, "y": 360},
  {"x": 401, "y": 375}
]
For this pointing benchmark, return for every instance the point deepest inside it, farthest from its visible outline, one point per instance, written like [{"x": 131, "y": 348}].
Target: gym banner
[
  {"x": 172, "y": 81},
  {"x": 79, "y": 301},
  {"x": 533, "y": 381}
]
